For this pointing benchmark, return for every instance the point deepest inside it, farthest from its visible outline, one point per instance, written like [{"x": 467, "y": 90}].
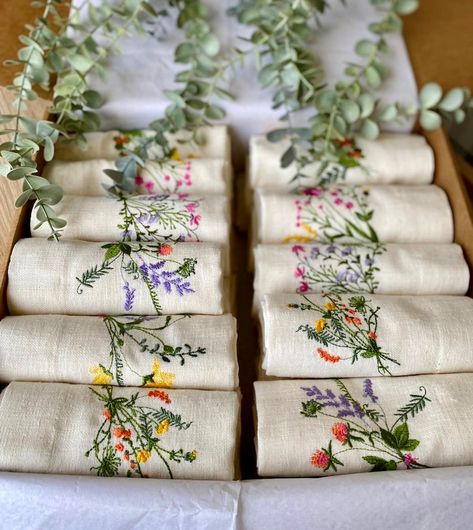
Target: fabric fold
[
  {"x": 345, "y": 214},
  {"x": 80, "y": 278},
  {"x": 318, "y": 336},
  {"x": 174, "y": 351},
  {"x": 337, "y": 426},
  {"x": 197, "y": 175},
  {"x": 390, "y": 159},
  {"x": 417, "y": 269},
  {"x": 111, "y": 431}
]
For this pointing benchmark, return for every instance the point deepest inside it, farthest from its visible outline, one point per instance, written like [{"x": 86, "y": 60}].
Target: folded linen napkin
[
  {"x": 108, "y": 431},
  {"x": 144, "y": 218},
  {"x": 365, "y": 335},
  {"x": 391, "y": 159},
  {"x": 174, "y": 351},
  {"x": 208, "y": 142},
  {"x": 199, "y": 175},
  {"x": 384, "y": 269},
  {"x": 389, "y": 214},
  {"x": 79, "y": 278},
  {"x": 326, "y": 427}
]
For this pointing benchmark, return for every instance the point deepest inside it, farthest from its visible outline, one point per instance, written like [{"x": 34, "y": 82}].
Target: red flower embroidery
[
  {"x": 340, "y": 432},
  {"x": 326, "y": 356},
  {"x": 165, "y": 250},
  {"x": 319, "y": 459},
  {"x": 160, "y": 394}
]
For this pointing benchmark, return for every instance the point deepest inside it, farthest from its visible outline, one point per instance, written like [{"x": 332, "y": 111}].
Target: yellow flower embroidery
[
  {"x": 102, "y": 375},
  {"x": 310, "y": 230},
  {"x": 320, "y": 325},
  {"x": 143, "y": 456},
  {"x": 297, "y": 239},
  {"x": 330, "y": 306},
  {"x": 162, "y": 427},
  {"x": 159, "y": 378},
  {"x": 194, "y": 454},
  {"x": 176, "y": 156}
]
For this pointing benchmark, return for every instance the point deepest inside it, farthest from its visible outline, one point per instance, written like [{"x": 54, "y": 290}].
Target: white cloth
[
  {"x": 154, "y": 218},
  {"x": 87, "y": 177},
  {"x": 416, "y": 269},
  {"x": 176, "y": 351},
  {"x": 49, "y": 427},
  {"x": 400, "y": 214},
  {"x": 71, "y": 277},
  {"x": 214, "y": 142},
  {"x": 301, "y": 421},
  {"x": 423, "y": 334},
  {"x": 391, "y": 159}
]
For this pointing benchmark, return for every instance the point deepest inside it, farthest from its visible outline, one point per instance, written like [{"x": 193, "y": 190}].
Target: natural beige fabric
[
  {"x": 192, "y": 351},
  {"x": 98, "y": 218},
  {"x": 403, "y": 269},
  {"x": 390, "y": 159},
  {"x": 43, "y": 278},
  {"x": 288, "y": 440},
  {"x": 214, "y": 142},
  {"x": 401, "y": 214},
  {"x": 87, "y": 177},
  {"x": 424, "y": 334},
  {"x": 48, "y": 427}
]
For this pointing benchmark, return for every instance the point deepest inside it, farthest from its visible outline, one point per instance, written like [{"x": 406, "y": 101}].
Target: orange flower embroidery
[
  {"x": 119, "y": 447},
  {"x": 165, "y": 250},
  {"x": 372, "y": 335},
  {"x": 107, "y": 414},
  {"x": 326, "y": 356},
  {"x": 160, "y": 394}
]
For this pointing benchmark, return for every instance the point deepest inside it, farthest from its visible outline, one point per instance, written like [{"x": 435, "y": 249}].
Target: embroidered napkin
[
  {"x": 390, "y": 214},
  {"x": 391, "y": 159},
  {"x": 365, "y": 335},
  {"x": 326, "y": 427},
  {"x": 198, "y": 175},
  {"x": 174, "y": 351},
  {"x": 143, "y": 218},
  {"x": 79, "y": 278},
  {"x": 108, "y": 431},
  {"x": 209, "y": 142},
  {"x": 384, "y": 269}
]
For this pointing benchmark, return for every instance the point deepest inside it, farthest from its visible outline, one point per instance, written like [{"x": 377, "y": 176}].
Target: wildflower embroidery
[
  {"x": 333, "y": 214},
  {"x": 129, "y": 436},
  {"x": 158, "y": 218},
  {"x": 151, "y": 264},
  {"x": 363, "y": 428},
  {"x": 144, "y": 333},
  {"x": 352, "y": 326},
  {"x": 337, "y": 268}
]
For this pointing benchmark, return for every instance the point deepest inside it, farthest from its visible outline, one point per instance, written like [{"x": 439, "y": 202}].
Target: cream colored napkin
[
  {"x": 107, "y": 431},
  {"x": 213, "y": 142},
  {"x": 199, "y": 175},
  {"x": 366, "y": 335},
  {"x": 391, "y": 159},
  {"x": 79, "y": 278},
  {"x": 174, "y": 351},
  {"x": 321, "y": 427},
  {"x": 390, "y": 214},
  {"x": 386, "y": 269},
  {"x": 144, "y": 218}
]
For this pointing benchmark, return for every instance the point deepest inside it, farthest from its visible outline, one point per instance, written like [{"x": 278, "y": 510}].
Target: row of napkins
[
  {"x": 131, "y": 304},
  {"x": 110, "y": 431}
]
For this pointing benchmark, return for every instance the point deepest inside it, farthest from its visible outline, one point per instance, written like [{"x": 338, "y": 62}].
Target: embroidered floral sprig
[
  {"x": 352, "y": 326},
  {"x": 337, "y": 268},
  {"x": 334, "y": 213},
  {"x": 158, "y": 218},
  {"x": 361, "y": 426},
  {"x": 131, "y": 434},
  {"x": 143, "y": 333},
  {"x": 148, "y": 263}
]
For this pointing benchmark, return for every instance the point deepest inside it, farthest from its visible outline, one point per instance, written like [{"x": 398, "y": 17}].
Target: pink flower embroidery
[
  {"x": 303, "y": 287},
  {"x": 338, "y": 201},
  {"x": 149, "y": 185},
  {"x": 297, "y": 248},
  {"x": 409, "y": 460},
  {"x": 340, "y": 432},
  {"x": 195, "y": 219},
  {"x": 299, "y": 272},
  {"x": 349, "y": 205},
  {"x": 319, "y": 459},
  {"x": 139, "y": 180},
  {"x": 182, "y": 195},
  {"x": 313, "y": 192},
  {"x": 190, "y": 207},
  {"x": 167, "y": 178}
]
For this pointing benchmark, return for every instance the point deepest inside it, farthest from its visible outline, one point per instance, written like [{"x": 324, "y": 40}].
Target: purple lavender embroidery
[
  {"x": 368, "y": 390},
  {"x": 129, "y": 296},
  {"x": 328, "y": 399},
  {"x": 165, "y": 279}
]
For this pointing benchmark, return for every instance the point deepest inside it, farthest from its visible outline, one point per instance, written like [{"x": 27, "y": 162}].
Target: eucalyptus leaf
[
  {"x": 373, "y": 77},
  {"x": 350, "y": 111},
  {"x": 365, "y": 48},
  {"x": 210, "y": 44},
  {"x": 430, "y": 120},
  {"x": 430, "y": 95},
  {"x": 406, "y": 7},
  {"x": 369, "y": 129},
  {"x": 367, "y": 103},
  {"x": 389, "y": 113},
  {"x": 453, "y": 100}
]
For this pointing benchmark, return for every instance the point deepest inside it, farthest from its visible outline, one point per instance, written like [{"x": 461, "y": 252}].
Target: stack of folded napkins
[
  {"x": 132, "y": 304},
  {"x": 359, "y": 279}
]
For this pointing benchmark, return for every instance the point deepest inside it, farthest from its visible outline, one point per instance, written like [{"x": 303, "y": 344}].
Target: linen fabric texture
[
  {"x": 400, "y": 214},
  {"x": 291, "y": 443},
  {"x": 49, "y": 427},
  {"x": 190, "y": 351},
  {"x": 393, "y": 158},
  {"x": 424, "y": 334},
  {"x": 45, "y": 277}
]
